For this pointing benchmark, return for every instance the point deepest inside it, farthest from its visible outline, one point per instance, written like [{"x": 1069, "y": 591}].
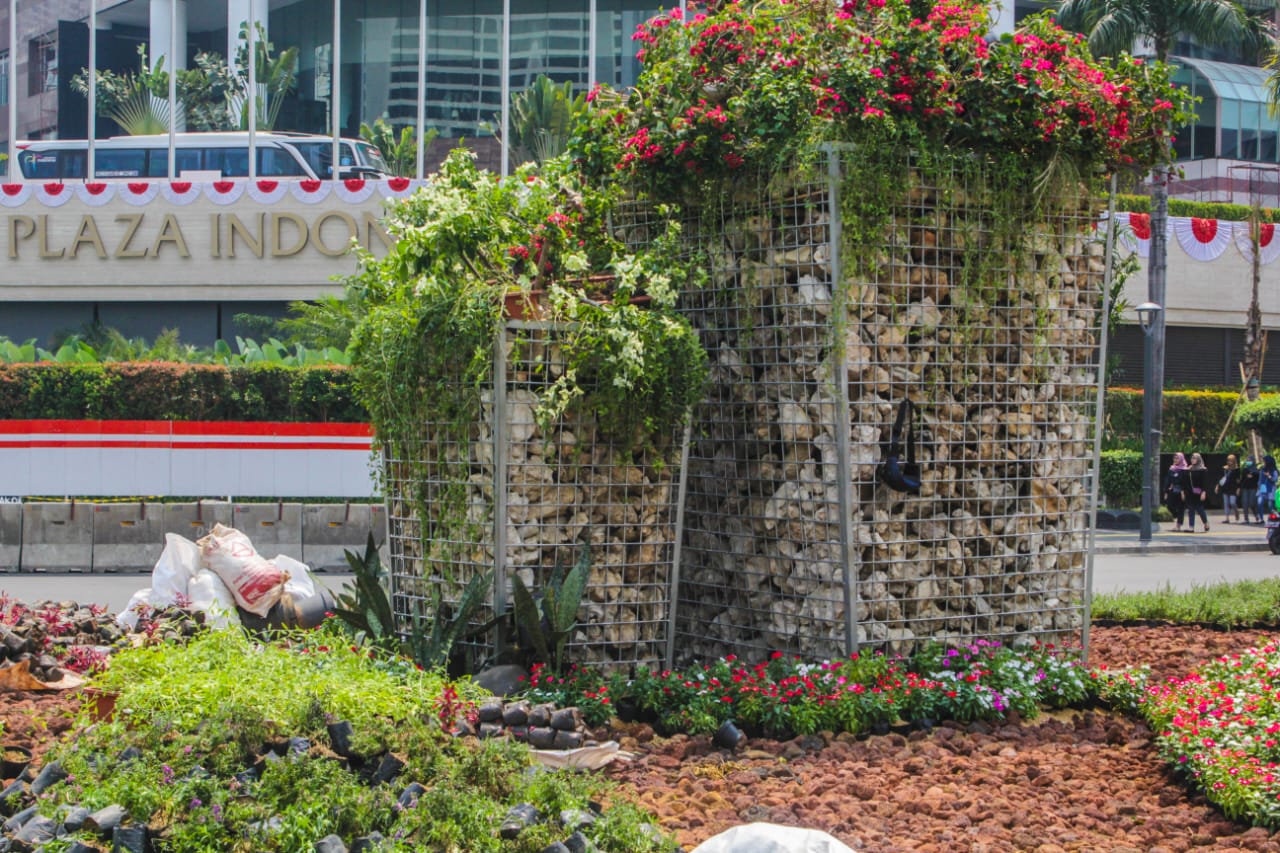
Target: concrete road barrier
[
  {"x": 127, "y": 537},
  {"x": 330, "y": 529},
  {"x": 10, "y": 537},
  {"x": 274, "y": 528},
  {"x": 194, "y": 520},
  {"x": 57, "y": 537}
]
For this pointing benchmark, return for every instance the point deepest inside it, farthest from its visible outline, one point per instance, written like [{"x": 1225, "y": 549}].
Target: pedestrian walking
[
  {"x": 1249, "y": 490},
  {"x": 1228, "y": 488},
  {"x": 1175, "y": 490},
  {"x": 1267, "y": 479},
  {"x": 1197, "y": 493}
]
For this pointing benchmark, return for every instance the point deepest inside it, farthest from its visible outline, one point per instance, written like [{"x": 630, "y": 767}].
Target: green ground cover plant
[{"x": 228, "y": 749}]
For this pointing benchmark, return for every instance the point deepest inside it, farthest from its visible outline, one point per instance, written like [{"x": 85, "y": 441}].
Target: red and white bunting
[
  {"x": 139, "y": 193},
  {"x": 354, "y": 190},
  {"x": 179, "y": 192},
  {"x": 54, "y": 194},
  {"x": 266, "y": 192},
  {"x": 401, "y": 187},
  {"x": 1203, "y": 239},
  {"x": 224, "y": 192},
  {"x": 310, "y": 192},
  {"x": 1268, "y": 245},
  {"x": 12, "y": 195},
  {"x": 1135, "y": 232},
  {"x": 95, "y": 194}
]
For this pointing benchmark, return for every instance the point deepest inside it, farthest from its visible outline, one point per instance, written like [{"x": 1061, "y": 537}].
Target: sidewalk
[{"x": 1221, "y": 539}]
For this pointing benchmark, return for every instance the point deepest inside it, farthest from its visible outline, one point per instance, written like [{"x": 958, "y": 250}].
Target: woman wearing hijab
[
  {"x": 1228, "y": 486},
  {"x": 1249, "y": 490},
  {"x": 1197, "y": 494},
  {"x": 1175, "y": 489},
  {"x": 1267, "y": 478}
]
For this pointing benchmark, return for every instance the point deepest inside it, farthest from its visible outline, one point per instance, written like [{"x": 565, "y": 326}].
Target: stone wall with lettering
[{"x": 264, "y": 240}]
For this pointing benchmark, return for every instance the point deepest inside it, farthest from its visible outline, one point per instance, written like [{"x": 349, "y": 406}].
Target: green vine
[{"x": 607, "y": 343}]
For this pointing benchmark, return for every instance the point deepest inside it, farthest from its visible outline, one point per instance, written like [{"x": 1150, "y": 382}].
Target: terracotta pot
[
  {"x": 102, "y": 703},
  {"x": 525, "y": 305}
]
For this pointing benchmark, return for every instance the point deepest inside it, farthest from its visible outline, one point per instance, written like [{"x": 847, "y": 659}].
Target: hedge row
[
  {"x": 1192, "y": 419},
  {"x": 179, "y": 392},
  {"x": 1201, "y": 209}
]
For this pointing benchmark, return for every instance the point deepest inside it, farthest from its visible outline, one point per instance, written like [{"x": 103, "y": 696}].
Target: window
[
  {"x": 42, "y": 67},
  {"x": 120, "y": 163},
  {"x": 4, "y": 78}
]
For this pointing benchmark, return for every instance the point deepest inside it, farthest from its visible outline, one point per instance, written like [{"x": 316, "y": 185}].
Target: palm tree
[{"x": 1116, "y": 26}]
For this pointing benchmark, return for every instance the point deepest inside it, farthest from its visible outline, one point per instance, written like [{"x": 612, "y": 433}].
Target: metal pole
[
  {"x": 504, "y": 64},
  {"x": 13, "y": 91},
  {"x": 173, "y": 88},
  {"x": 335, "y": 87},
  {"x": 253, "y": 96},
  {"x": 1149, "y": 445},
  {"x": 422, "y": 88},
  {"x": 592, "y": 46},
  {"x": 841, "y": 421},
  {"x": 673, "y": 583},
  {"x": 90, "y": 164},
  {"x": 1099, "y": 410},
  {"x": 501, "y": 437}
]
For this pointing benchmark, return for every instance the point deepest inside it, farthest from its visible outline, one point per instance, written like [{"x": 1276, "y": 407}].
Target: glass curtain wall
[{"x": 463, "y": 91}]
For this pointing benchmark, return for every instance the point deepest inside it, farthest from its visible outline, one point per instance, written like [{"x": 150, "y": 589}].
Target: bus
[{"x": 199, "y": 156}]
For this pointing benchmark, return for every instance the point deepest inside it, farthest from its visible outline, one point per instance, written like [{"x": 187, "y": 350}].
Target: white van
[{"x": 198, "y": 156}]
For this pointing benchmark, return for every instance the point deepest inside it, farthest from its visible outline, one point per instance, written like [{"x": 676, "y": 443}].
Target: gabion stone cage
[
  {"x": 986, "y": 320},
  {"x": 494, "y": 490}
]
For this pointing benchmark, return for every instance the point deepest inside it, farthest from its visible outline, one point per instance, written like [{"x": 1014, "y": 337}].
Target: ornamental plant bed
[{"x": 1070, "y": 780}]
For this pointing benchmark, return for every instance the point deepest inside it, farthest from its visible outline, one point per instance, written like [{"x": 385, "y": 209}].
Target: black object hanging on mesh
[{"x": 898, "y": 473}]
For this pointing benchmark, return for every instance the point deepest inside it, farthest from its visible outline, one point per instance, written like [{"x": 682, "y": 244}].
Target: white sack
[
  {"x": 256, "y": 582},
  {"x": 771, "y": 838},
  {"x": 128, "y": 618},
  {"x": 209, "y": 594},
  {"x": 301, "y": 585},
  {"x": 171, "y": 577}
]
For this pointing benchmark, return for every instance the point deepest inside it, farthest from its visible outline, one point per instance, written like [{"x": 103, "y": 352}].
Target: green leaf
[
  {"x": 571, "y": 591},
  {"x": 527, "y": 616}
]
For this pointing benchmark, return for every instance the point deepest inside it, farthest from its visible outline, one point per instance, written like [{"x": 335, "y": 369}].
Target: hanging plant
[{"x": 469, "y": 240}]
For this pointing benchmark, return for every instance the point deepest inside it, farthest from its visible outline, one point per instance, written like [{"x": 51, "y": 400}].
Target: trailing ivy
[{"x": 466, "y": 244}]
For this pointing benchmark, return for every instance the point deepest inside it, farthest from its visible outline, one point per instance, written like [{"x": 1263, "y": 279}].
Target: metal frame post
[{"x": 1099, "y": 411}]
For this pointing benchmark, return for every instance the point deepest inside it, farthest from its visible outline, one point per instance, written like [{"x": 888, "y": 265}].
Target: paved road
[
  {"x": 1144, "y": 573},
  {"x": 111, "y": 590},
  {"x": 1111, "y": 573}
]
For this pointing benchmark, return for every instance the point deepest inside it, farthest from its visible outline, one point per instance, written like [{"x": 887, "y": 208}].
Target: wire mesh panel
[
  {"x": 831, "y": 303},
  {"x": 505, "y": 490}
]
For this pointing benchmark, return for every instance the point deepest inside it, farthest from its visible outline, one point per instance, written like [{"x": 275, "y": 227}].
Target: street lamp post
[{"x": 1147, "y": 314}]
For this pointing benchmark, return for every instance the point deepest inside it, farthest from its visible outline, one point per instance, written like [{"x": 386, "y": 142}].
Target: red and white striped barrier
[{"x": 197, "y": 458}]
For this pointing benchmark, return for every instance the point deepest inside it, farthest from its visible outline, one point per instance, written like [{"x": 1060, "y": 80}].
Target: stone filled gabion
[
  {"x": 553, "y": 491},
  {"x": 813, "y": 346}
]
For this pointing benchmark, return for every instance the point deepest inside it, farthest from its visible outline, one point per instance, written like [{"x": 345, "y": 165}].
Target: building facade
[{"x": 447, "y": 68}]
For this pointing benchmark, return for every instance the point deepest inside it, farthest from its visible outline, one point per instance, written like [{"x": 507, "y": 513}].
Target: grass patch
[{"x": 1226, "y": 605}]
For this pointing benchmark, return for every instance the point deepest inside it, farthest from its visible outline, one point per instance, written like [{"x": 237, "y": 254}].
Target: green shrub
[
  {"x": 179, "y": 392},
  {"x": 1120, "y": 477},
  {"x": 1202, "y": 209},
  {"x": 1262, "y": 414},
  {"x": 1192, "y": 419}
]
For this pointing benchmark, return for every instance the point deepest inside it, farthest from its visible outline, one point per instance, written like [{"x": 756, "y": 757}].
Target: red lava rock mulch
[{"x": 1068, "y": 781}]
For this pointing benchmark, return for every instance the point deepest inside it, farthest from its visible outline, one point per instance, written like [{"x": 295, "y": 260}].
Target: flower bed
[{"x": 1220, "y": 728}]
